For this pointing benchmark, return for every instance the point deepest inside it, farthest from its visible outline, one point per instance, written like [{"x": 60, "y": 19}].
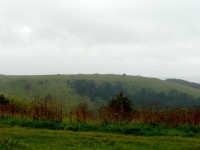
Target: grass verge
[{"x": 119, "y": 128}]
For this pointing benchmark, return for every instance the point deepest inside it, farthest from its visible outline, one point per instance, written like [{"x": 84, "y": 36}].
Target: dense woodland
[{"x": 143, "y": 97}]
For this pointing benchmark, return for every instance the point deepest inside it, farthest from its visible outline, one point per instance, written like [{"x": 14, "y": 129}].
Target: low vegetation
[
  {"x": 118, "y": 116},
  {"x": 39, "y": 109}
]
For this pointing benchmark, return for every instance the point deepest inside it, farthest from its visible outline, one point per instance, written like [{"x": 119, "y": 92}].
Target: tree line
[
  {"x": 142, "y": 97},
  {"x": 105, "y": 90}
]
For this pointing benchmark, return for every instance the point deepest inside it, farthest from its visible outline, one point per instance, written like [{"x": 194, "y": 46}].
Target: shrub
[
  {"x": 118, "y": 109},
  {"x": 3, "y": 100}
]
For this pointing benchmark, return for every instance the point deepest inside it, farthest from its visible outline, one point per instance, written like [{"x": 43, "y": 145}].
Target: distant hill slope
[
  {"x": 64, "y": 87},
  {"x": 186, "y": 83}
]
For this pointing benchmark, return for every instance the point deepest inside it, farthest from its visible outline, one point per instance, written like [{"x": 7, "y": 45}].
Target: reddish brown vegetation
[
  {"x": 120, "y": 109},
  {"x": 39, "y": 109},
  {"x": 171, "y": 117},
  {"x": 82, "y": 114},
  {"x": 46, "y": 110},
  {"x": 152, "y": 116},
  {"x": 117, "y": 110}
]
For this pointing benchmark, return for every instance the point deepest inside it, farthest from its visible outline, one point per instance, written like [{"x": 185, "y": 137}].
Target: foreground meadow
[
  {"x": 29, "y": 138},
  {"x": 42, "y": 124}
]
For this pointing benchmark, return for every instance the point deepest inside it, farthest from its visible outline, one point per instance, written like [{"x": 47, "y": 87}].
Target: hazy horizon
[
  {"x": 136, "y": 37},
  {"x": 195, "y": 79}
]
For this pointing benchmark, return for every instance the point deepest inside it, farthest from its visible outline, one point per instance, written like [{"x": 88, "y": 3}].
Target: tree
[
  {"x": 120, "y": 107},
  {"x": 124, "y": 76},
  {"x": 105, "y": 90},
  {"x": 3, "y": 100},
  {"x": 27, "y": 86}
]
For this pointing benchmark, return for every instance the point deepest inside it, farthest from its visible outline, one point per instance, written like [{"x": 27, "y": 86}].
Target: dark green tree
[
  {"x": 120, "y": 107},
  {"x": 3, "y": 100}
]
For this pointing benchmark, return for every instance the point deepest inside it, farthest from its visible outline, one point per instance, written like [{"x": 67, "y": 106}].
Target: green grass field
[{"x": 28, "y": 138}]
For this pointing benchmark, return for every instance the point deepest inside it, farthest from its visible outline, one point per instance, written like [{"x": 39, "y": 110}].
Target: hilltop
[{"x": 94, "y": 89}]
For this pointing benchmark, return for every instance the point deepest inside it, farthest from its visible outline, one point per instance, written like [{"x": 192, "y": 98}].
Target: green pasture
[{"x": 29, "y": 138}]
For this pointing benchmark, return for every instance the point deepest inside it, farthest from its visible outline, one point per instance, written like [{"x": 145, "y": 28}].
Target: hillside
[
  {"x": 62, "y": 87},
  {"x": 186, "y": 83}
]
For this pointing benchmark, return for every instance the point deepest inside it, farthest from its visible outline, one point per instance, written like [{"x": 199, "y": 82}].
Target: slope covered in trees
[{"x": 142, "y": 97}]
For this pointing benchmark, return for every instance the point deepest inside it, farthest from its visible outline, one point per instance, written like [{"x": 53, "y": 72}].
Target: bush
[
  {"x": 3, "y": 100},
  {"x": 119, "y": 109}
]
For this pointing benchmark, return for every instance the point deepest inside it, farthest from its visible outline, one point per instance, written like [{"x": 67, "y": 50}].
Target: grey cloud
[{"x": 137, "y": 37}]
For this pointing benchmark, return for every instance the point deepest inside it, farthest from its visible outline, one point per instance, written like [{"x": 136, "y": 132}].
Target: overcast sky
[{"x": 155, "y": 38}]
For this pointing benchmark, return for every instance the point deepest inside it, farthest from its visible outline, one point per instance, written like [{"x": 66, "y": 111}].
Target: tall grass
[
  {"x": 42, "y": 109},
  {"x": 46, "y": 110}
]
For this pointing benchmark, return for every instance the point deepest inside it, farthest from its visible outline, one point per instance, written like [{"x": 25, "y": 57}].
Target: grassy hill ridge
[
  {"x": 60, "y": 86},
  {"x": 184, "y": 82}
]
